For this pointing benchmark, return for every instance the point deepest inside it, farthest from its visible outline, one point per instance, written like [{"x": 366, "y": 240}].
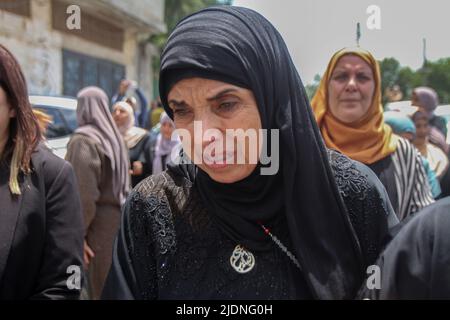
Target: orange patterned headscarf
[{"x": 368, "y": 140}]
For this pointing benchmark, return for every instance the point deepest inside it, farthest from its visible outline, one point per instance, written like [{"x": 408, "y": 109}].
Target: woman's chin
[
  {"x": 227, "y": 173},
  {"x": 350, "y": 116}
]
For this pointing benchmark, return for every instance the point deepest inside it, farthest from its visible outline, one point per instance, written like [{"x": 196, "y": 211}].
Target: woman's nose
[
  {"x": 211, "y": 131},
  {"x": 351, "y": 85}
]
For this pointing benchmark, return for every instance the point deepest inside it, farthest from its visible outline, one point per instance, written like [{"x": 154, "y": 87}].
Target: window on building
[
  {"x": 80, "y": 71},
  {"x": 20, "y": 7}
]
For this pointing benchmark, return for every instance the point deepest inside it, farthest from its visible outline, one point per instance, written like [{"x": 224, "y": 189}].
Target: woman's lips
[
  {"x": 216, "y": 166},
  {"x": 350, "y": 100},
  {"x": 218, "y": 162}
]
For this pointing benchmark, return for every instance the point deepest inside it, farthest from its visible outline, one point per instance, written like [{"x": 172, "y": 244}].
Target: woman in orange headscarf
[{"x": 348, "y": 110}]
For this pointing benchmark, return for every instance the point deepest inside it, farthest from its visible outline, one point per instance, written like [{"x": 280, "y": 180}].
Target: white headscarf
[{"x": 131, "y": 134}]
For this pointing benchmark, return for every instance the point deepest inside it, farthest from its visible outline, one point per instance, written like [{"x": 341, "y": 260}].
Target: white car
[
  {"x": 63, "y": 112},
  {"x": 402, "y": 106}
]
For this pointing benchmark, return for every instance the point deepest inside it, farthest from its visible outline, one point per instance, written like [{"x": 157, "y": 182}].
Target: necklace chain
[{"x": 282, "y": 247}]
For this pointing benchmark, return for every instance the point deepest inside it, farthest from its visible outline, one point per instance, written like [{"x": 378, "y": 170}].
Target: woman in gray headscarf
[
  {"x": 427, "y": 100},
  {"x": 164, "y": 144},
  {"x": 100, "y": 160}
]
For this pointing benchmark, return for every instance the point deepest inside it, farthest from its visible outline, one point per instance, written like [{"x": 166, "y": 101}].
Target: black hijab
[{"x": 240, "y": 45}]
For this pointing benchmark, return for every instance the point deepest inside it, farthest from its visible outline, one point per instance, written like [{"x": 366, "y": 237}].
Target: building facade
[{"x": 64, "y": 45}]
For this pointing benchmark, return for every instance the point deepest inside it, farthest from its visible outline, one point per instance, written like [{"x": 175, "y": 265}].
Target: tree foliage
[
  {"x": 175, "y": 10},
  {"x": 432, "y": 74}
]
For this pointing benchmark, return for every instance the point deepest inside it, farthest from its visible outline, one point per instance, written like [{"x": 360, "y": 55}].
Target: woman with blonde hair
[{"x": 41, "y": 226}]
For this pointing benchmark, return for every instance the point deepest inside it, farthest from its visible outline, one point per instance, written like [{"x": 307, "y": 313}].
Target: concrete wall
[
  {"x": 39, "y": 48},
  {"x": 36, "y": 47},
  {"x": 150, "y": 12}
]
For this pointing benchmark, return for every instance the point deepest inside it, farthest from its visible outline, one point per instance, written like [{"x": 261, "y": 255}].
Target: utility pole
[
  {"x": 358, "y": 33},
  {"x": 424, "y": 52},
  {"x": 425, "y": 69}
]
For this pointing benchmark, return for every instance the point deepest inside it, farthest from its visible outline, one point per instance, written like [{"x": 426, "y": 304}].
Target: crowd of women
[{"x": 356, "y": 186}]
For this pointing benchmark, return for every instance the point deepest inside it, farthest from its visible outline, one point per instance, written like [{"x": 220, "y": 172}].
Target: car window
[
  {"x": 58, "y": 127},
  {"x": 71, "y": 118}
]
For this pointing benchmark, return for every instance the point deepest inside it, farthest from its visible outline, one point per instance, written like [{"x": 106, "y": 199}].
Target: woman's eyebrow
[
  {"x": 182, "y": 103},
  {"x": 176, "y": 103},
  {"x": 221, "y": 93},
  {"x": 339, "y": 70}
]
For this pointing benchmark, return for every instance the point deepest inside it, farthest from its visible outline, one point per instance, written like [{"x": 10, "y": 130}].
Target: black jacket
[
  {"x": 144, "y": 152},
  {"x": 416, "y": 263},
  {"x": 41, "y": 232}
]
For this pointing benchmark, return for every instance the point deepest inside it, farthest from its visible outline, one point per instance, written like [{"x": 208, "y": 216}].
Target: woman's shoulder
[
  {"x": 152, "y": 209},
  {"x": 436, "y": 216},
  {"x": 144, "y": 142},
  {"x": 165, "y": 191},
  {"x": 81, "y": 146},
  {"x": 78, "y": 139},
  {"x": 163, "y": 184},
  {"x": 439, "y": 121},
  {"x": 367, "y": 203},
  {"x": 416, "y": 263},
  {"x": 352, "y": 177},
  {"x": 358, "y": 184},
  {"x": 48, "y": 165},
  {"x": 405, "y": 148},
  {"x": 408, "y": 158},
  {"x": 437, "y": 152}
]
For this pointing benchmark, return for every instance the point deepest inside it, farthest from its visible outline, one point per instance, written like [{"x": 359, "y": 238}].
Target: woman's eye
[
  {"x": 341, "y": 76},
  {"x": 180, "y": 112},
  {"x": 363, "y": 77},
  {"x": 227, "y": 106}
]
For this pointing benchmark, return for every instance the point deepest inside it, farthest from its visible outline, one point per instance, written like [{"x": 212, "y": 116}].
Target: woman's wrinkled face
[
  {"x": 120, "y": 116},
  {"x": 6, "y": 113},
  {"x": 351, "y": 89},
  {"x": 217, "y": 106}
]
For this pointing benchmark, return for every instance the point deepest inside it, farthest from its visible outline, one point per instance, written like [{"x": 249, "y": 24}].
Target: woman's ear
[{"x": 12, "y": 113}]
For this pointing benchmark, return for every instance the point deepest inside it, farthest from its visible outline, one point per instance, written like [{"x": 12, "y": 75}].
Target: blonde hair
[
  {"x": 43, "y": 119},
  {"x": 16, "y": 166}
]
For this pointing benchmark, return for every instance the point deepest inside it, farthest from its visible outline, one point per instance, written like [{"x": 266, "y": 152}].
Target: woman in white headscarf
[{"x": 138, "y": 142}]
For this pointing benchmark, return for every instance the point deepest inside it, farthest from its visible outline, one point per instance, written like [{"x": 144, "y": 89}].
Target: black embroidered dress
[{"x": 169, "y": 248}]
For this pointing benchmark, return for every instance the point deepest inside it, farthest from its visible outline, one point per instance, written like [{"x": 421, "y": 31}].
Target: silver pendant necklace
[{"x": 243, "y": 260}]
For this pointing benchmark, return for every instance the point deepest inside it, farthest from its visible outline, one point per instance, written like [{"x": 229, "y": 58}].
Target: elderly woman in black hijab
[{"x": 218, "y": 230}]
